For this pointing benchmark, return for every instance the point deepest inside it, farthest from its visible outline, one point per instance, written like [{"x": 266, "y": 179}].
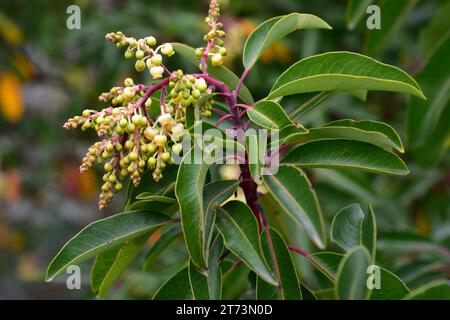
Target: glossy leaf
[
  {"x": 198, "y": 282},
  {"x": 327, "y": 263},
  {"x": 351, "y": 277},
  {"x": 167, "y": 238},
  {"x": 342, "y": 71},
  {"x": 105, "y": 279},
  {"x": 239, "y": 228},
  {"x": 342, "y": 153},
  {"x": 369, "y": 233},
  {"x": 292, "y": 190},
  {"x": 269, "y": 114},
  {"x": 391, "y": 287},
  {"x": 436, "y": 290},
  {"x": 103, "y": 235},
  {"x": 274, "y": 29},
  {"x": 346, "y": 228},
  {"x": 289, "y": 288},
  {"x": 189, "y": 192},
  {"x": 373, "y": 132},
  {"x": 176, "y": 288},
  {"x": 221, "y": 73},
  {"x": 214, "y": 194}
]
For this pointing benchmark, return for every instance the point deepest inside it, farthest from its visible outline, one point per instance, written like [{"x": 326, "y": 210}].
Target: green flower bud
[
  {"x": 136, "y": 119},
  {"x": 160, "y": 140},
  {"x": 223, "y": 51},
  {"x": 130, "y": 128},
  {"x": 216, "y": 59},
  {"x": 150, "y": 133},
  {"x": 129, "y": 145},
  {"x": 140, "y": 54},
  {"x": 123, "y": 123},
  {"x": 128, "y": 82},
  {"x": 177, "y": 147},
  {"x": 108, "y": 167},
  {"x": 199, "y": 52},
  {"x": 139, "y": 66},
  {"x": 133, "y": 156},
  {"x": 151, "y": 148},
  {"x": 129, "y": 93},
  {"x": 167, "y": 49},
  {"x": 151, "y": 41},
  {"x": 156, "y": 59},
  {"x": 196, "y": 94},
  {"x": 128, "y": 54},
  {"x": 151, "y": 163},
  {"x": 157, "y": 72},
  {"x": 112, "y": 178},
  {"x": 165, "y": 156},
  {"x": 86, "y": 113},
  {"x": 118, "y": 186}
]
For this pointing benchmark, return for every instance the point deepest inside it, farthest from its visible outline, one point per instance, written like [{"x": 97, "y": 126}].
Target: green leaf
[
  {"x": 221, "y": 73},
  {"x": 436, "y": 290},
  {"x": 346, "y": 228},
  {"x": 160, "y": 245},
  {"x": 214, "y": 270},
  {"x": 292, "y": 190},
  {"x": 351, "y": 276},
  {"x": 393, "y": 13},
  {"x": 327, "y": 263},
  {"x": 342, "y": 71},
  {"x": 155, "y": 203},
  {"x": 150, "y": 186},
  {"x": 269, "y": 114},
  {"x": 289, "y": 288},
  {"x": 338, "y": 130},
  {"x": 208, "y": 284},
  {"x": 101, "y": 266},
  {"x": 427, "y": 126},
  {"x": 356, "y": 9},
  {"x": 111, "y": 270},
  {"x": 214, "y": 194},
  {"x": 239, "y": 228},
  {"x": 307, "y": 293},
  {"x": 369, "y": 233},
  {"x": 199, "y": 283},
  {"x": 103, "y": 235},
  {"x": 189, "y": 192},
  {"x": 274, "y": 29},
  {"x": 176, "y": 288},
  {"x": 342, "y": 153},
  {"x": 391, "y": 287}
]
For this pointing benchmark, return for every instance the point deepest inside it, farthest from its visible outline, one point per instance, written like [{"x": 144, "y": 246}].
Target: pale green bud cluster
[
  {"x": 142, "y": 49},
  {"x": 214, "y": 38}
]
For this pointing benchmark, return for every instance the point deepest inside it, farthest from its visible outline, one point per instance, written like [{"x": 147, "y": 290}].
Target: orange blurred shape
[
  {"x": 25, "y": 67},
  {"x": 11, "y": 101},
  {"x": 155, "y": 236},
  {"x": 277, "y": 52},
  {"x": 10, "y": 31},
  {"x": 422, "y": 224},
  {"x": 11, "y": 240},
  {"x": 13, "y": 186},
  {"x": 83, "y": 185}
]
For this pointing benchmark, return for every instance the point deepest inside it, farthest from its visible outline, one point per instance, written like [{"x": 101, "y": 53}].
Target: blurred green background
[{"x": 49, "y": 73}]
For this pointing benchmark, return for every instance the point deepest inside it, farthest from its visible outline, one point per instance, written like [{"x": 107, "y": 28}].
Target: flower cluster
[
  {"x": 133, "y": 141},
  {"x": 143, "y": 50},
  {"x": 214, "y": 38}
]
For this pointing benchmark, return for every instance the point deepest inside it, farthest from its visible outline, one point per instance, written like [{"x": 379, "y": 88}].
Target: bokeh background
[{"x": 49, "y": 73}]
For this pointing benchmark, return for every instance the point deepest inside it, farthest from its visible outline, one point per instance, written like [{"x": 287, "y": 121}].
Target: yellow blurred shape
[
  {"x": 10, "y": 31},
  {"x": 422, "y": 224},
  {"x": 11, "y": 100}
]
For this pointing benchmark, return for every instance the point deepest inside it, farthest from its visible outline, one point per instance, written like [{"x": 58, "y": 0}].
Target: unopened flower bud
[
  {"x": 156, "y": 59},
  {"x": 139, "y": 54},
  {"x": 177, "y": 147},
  {"x": 128, "y": 82},
  {"x": 128, "y": 93},
  {"x": 160, "y": 140},
  {"x": 167, "y": 49},
  {"x": 150, "y": 133},
  {"x": 157, "y": 72},
  {"x": 216, "y": 59},
  {"x": 151, "y": 41},
  {"x": 139, "y": 66}
]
